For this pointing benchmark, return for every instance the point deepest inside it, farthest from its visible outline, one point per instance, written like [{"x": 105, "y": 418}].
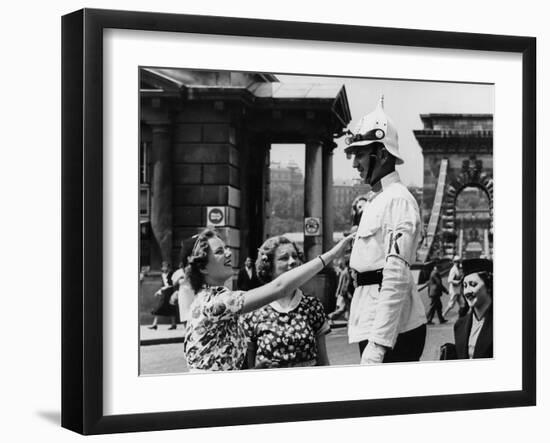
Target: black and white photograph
[
  {"x": 291, "y": 221},
  {"x": 275, "y": 222},
  {"x": 283, "y": 226}
]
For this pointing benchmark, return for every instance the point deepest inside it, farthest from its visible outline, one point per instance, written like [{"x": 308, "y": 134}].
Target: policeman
[{"x": 387, "y": 316}]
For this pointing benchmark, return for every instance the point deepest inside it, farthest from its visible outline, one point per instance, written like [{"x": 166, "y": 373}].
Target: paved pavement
[
  {"x": 161, "y": 350},
  {"x": 167, "y": 358},
  {"x": 162, "y": 335}
]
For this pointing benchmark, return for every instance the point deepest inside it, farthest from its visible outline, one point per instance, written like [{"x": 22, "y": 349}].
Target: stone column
[
  {"x": 486, "y": 249},
  {"x": 161, "y": 190},
  {"x": 265, "y": 191},
  {"x": 328, "y": 195},
  {"x": 313, "y": 198}
]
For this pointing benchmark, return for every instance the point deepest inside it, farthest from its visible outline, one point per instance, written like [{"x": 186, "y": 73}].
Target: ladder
[{"x": 436, "y": 211}]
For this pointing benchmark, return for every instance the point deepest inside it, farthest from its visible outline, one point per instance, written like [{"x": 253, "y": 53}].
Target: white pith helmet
[{"x": 375, "y": 127}]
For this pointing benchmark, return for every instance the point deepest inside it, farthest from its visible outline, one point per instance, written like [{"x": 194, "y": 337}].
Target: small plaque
[
  {"x": 312, "y": 226},
  {"x": 216, "y": 215}
]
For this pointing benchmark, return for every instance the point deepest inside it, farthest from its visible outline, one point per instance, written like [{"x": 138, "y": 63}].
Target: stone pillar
[
  {"x": 266, "y": 192},
  {"x": 161, "y": 190},
  {"x": 328, "y": 195},
  {"x": 313, "y": 198},
  {"x": 486, "y": 249}
]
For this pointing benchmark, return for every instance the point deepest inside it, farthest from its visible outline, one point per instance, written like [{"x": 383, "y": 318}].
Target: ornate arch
[{"x": 471, "y": 175}]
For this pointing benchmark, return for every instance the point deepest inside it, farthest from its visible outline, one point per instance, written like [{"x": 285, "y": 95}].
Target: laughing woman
[
  {"x": 474, "y": 332},
  {"x": 215, "y": 338},
  {"x": 290, "y": 331}
]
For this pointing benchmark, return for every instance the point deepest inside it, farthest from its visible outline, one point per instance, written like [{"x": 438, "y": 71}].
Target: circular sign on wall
[
  {"x": 312, "y": 226},
  {"x": 215, "y": 215}
]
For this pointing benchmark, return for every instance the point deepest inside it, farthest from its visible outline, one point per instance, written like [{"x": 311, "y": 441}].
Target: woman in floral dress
[
  {"x": 291, "y": 330},
  {"x": 215, "y": 338}
]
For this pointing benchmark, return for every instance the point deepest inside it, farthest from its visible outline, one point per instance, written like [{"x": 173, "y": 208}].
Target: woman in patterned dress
[
  {"x": 289, "y": 331},
  {"x": 215, "y": 338}
]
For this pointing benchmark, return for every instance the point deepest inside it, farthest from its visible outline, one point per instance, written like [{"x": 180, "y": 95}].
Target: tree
[{"x": 287, "y": 209}]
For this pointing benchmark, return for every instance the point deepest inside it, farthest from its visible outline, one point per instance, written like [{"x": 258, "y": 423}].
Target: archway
[
  {"x": 458, "y": 153},
  {"x": 467, "y": 219},
  {"x": 473, "y": 223}
]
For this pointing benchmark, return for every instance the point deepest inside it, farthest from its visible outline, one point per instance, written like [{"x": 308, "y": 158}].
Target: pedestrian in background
[
  {"x": 357, "y": 211},
  {"x": 455, "y": 288},
  {"x": 247, "y": 278},
  {"x": 435, "y": 291},
  {"x": 165, "y": 306},
  {"x": 344, "y": 292}
]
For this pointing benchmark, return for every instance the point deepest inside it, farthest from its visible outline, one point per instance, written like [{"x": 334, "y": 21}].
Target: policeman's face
[
  {"x": 285, "y": 258},
  {"x": 361, "y": 161},
  {"x": 475, "y": 291}
]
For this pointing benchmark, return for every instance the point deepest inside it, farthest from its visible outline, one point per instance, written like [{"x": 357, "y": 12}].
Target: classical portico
[{"x": 205, "y": 142}]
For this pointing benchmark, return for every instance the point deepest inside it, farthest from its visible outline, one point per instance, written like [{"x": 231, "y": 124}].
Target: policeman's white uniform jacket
[{"x": 387, "y": 237}]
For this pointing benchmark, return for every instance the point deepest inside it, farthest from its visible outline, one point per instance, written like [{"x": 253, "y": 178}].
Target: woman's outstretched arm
[{"x": 258, "y": 297}]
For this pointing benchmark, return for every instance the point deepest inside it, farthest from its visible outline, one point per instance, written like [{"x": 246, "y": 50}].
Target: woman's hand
[
  {"x": 292, "y": 279},
  {"x": 342, "y": 246}
]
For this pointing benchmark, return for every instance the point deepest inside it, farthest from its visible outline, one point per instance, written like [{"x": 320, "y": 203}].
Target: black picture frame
[{"x": 82, "y": 259}]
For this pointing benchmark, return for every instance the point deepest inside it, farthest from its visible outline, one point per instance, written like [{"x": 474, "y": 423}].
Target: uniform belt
[{"x": 368, "y": 278}]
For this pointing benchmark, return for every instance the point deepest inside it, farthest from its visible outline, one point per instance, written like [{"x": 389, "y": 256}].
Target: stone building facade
[
  {"x": 465, "y": 143},
  {"x": 205, "y": 141}
]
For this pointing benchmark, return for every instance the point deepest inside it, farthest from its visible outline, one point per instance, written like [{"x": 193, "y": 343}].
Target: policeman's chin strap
[{"x": 372, "y": 164}]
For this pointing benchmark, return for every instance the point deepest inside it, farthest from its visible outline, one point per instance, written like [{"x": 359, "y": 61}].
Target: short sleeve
[
  {"x": 317, "y": 318},
  {"x": 249, "y": 322},
  {"x": 223, "y": 304}
]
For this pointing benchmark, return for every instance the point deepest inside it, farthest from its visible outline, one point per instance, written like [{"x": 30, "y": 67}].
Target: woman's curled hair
[
  {"x": 195, "y": 255},
  {"x": 266, "y": 257}
]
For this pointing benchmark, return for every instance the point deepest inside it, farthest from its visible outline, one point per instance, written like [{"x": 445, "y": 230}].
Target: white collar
[
  {"x": 385, "y": 182},
  {"x": 294, "y": 302},
  {"x": 391, "y": 178}
]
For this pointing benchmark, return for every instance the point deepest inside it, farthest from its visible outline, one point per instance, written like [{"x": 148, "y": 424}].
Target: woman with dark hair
[
  {"x": 289, "y": 331},
  {"x": 357, "y": 210},
  {"x": 215, "y": 338},
  {"x": 474, "y": 332}
]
